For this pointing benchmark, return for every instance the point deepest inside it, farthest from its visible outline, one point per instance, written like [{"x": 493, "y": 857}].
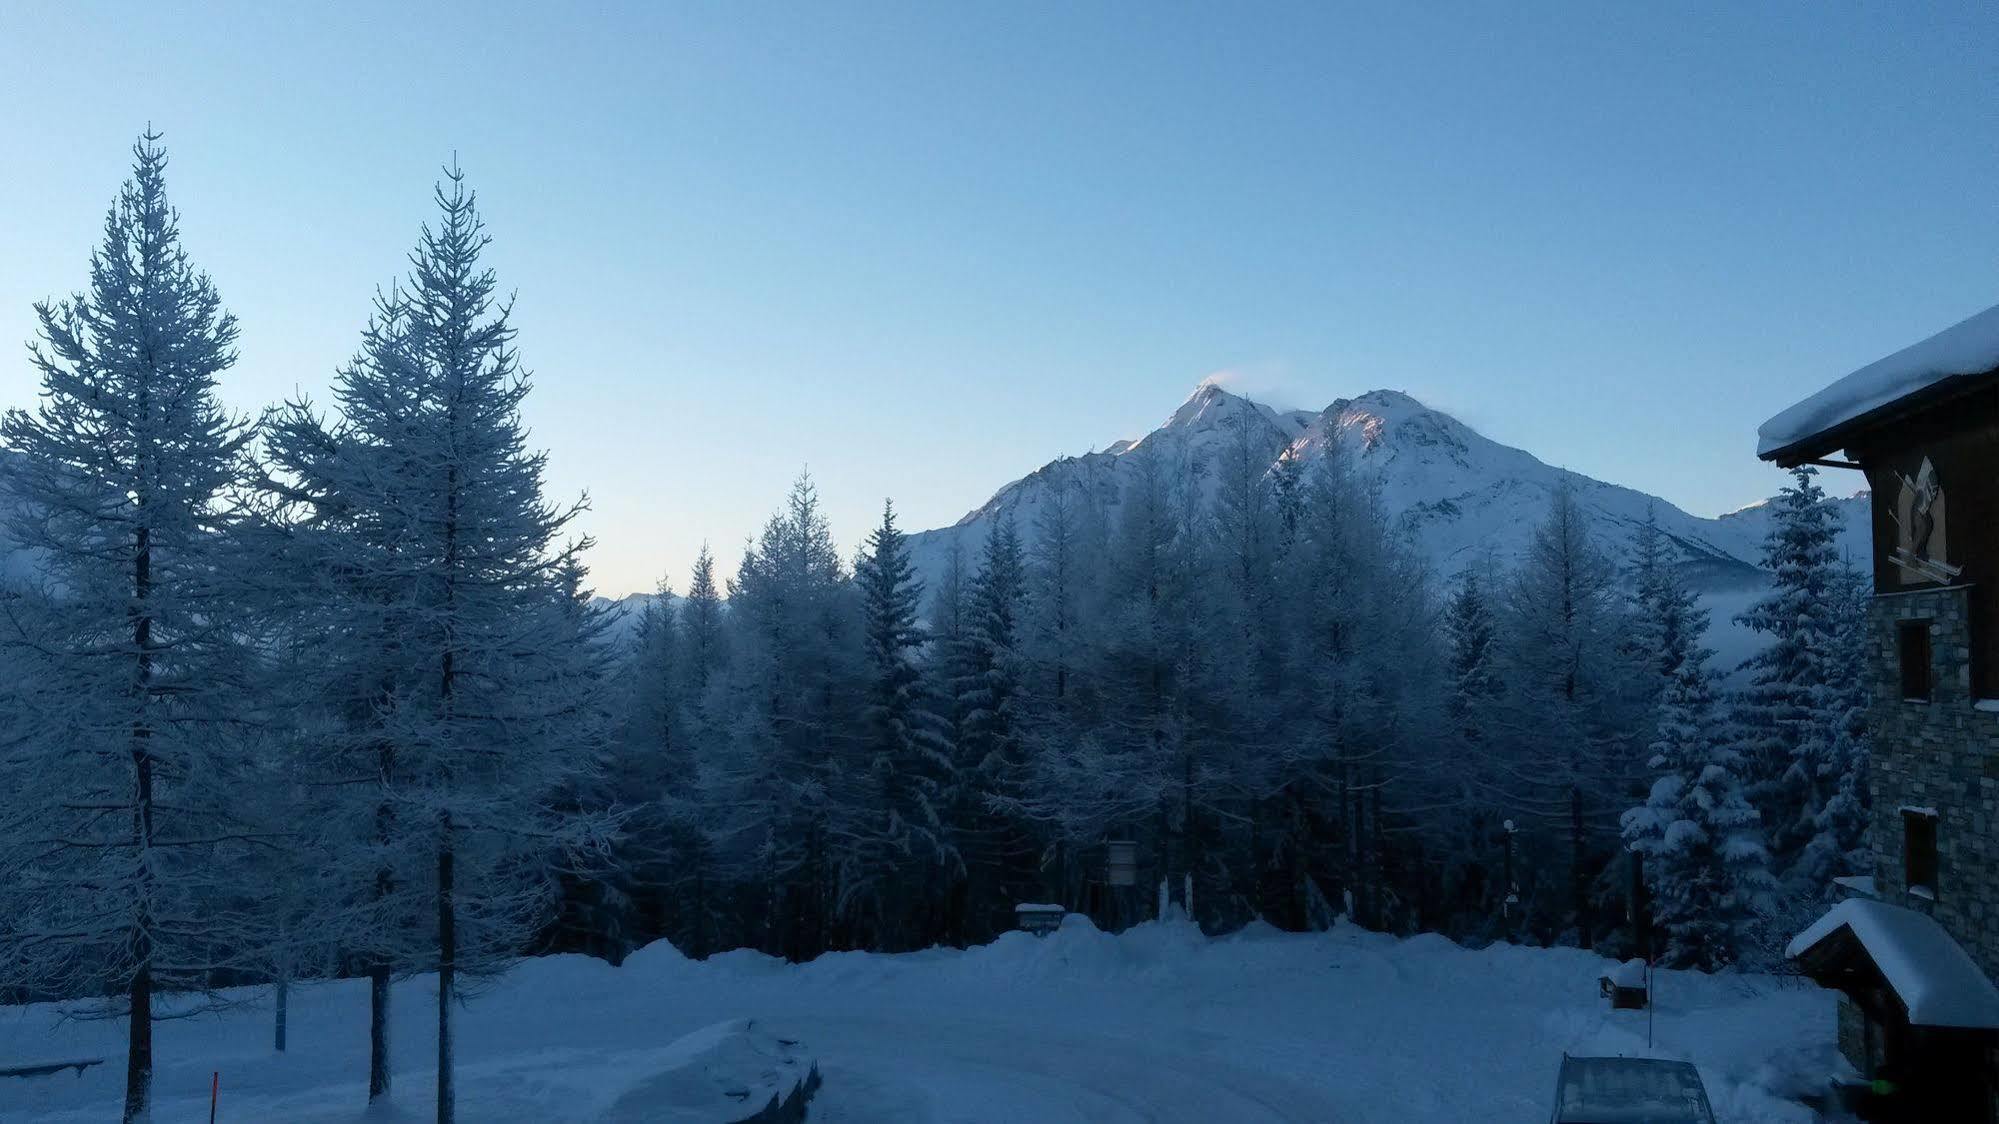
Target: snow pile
[
  {"x": 723, "y": 1072},
  {"x": 1931, "y": 973},
  {"x": 1970, "y": 347}
]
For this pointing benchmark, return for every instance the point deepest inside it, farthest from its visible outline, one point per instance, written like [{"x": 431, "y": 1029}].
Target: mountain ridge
[{"x": 1458, "y": 497}]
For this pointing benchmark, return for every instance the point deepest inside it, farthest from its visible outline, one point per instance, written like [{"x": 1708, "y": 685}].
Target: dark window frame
[
  {"x": 1922, "y": 860},
  {"x": 1914, "y": 658}
]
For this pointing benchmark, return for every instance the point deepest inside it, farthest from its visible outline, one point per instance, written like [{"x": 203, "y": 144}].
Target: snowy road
[
  {"x": 891, "y": 1071},
  {"x": 1160, "y": 1025}
]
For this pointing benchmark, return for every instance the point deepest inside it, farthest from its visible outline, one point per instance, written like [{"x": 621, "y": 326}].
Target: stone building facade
[
  {"x": 1936, "y": 758},
  {"x": 1914, "y": 954}
]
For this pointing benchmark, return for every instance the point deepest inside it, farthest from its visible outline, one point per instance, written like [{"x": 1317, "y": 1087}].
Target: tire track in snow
[{"x": 928, "y": 1071}]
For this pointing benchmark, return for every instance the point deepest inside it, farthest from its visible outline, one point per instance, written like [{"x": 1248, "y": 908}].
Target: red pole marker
[{"x": 214, "y": 1090}]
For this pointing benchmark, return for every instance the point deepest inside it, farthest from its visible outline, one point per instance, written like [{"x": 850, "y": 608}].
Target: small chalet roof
[
  {"x": 1930, "y": 973},
  {"x": 1813, "y": 427}
]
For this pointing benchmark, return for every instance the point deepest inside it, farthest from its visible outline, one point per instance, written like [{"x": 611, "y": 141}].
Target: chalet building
[{"x": 1915, "y": 949}]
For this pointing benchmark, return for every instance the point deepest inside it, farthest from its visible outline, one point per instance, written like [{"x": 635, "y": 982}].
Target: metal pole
[{"x": 1651, "y": 1003}]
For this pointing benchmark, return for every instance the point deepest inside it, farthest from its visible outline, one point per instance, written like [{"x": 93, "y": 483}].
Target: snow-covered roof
[
  {"x": 1970, "y": 347},
  {"x": 1931, "y": 973},
  {"x": 1862, "y": 884},
  {"x": 1631, "y": 973}
]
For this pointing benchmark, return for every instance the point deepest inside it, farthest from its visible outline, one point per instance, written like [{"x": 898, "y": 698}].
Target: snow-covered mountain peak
[
  {"x": 1460, "y": 498},
  {"x": 1214, "y": 408},
  {"x": 1208, "y": 406}
]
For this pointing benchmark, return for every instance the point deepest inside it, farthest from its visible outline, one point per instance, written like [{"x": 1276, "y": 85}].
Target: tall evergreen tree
[
  {"x": 905, "y": 750},
  {"x": 1839, "y": 750},
  {"x": 1568, "y": 757},
  {"x": 792, "y": 695},
  {"x": 1786, "y": 714},
  {"x": 1667, "y": 617},
  {"x": 1706, "y": 863},
  {"x": 649, "y": 777},
  {"x": 704, "y": 643},
  {"x": 435, "y": 549},
  {"x": 122, "y": 834},
  {"x": 1474, "y": 657},
  {"x": 991, "y": 769}
]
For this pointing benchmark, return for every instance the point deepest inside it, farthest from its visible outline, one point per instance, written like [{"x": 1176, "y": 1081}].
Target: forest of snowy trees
[
  {"x": 1268, "y": 695},
  {"x": 324, "y": 692}
]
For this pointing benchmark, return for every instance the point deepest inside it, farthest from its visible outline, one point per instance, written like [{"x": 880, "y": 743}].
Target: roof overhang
[
  {"x": 1862, "y": 947},
  {"x": 1832, "y": 439}
]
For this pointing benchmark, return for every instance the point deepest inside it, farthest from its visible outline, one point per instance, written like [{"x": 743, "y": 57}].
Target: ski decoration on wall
[{"x": 1920, "y": 547}]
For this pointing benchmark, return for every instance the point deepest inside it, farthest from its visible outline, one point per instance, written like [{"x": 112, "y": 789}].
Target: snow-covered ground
[{"x": 1157, "y": 1024}]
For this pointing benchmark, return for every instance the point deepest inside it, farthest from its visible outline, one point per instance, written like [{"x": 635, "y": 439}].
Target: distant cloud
[{"x": 1271, "y": 382}]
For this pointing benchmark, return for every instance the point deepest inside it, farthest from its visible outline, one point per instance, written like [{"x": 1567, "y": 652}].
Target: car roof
[{"x": 1630, "y": 1091}]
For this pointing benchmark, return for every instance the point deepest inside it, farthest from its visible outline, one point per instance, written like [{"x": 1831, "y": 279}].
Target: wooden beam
[{"x": 1822, "y": 463}]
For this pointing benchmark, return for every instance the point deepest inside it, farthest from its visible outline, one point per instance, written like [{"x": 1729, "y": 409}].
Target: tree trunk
[
  {"x": 1578, "y": 879},
  {"x": 378, "y": 973},
  {"x": 281, "y": 993},
  {"x": 447, "y": 955},
  {"x": 378, "y": 1033},
  {"x": 139, "y": 1047}
]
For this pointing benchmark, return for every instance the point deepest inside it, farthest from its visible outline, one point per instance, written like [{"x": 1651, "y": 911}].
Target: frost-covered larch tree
[
  {"x": 125, "y": 824},
  {"x": 464, "y": 673},
  {"x": 1667, "y": 619},
  {"x": 1473, "y": 656},
  {"x": 792, "y": 709},
  {"x": 1568, "y": 755},
  {"x": 1700, "y": 838}
]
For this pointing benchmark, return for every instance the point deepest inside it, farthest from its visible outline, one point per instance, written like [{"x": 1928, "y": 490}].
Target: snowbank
[{"x": 729, "y": 1071}]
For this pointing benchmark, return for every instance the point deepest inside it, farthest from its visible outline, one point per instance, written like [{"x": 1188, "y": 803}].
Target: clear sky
[{"x": 923, "y": 249}]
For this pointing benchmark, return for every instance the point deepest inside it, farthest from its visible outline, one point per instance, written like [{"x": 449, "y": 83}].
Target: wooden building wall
[{"x": 1960, "y": 438}]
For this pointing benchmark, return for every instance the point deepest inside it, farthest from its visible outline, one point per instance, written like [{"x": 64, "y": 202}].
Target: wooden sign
[{"x": 1122, "y": 866}]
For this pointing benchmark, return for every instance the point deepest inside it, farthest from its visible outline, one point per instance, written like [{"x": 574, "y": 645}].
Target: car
[{"x": 1629, "y": 1091}]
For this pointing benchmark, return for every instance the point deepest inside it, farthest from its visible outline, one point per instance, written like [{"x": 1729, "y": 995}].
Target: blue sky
[{"x": 923, "y": 249}]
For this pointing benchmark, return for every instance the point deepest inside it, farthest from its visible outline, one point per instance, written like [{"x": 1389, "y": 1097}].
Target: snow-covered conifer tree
[
  {"x": 1474, "y": 657},
  {"x": 900, "y": 833},
  {"x": 123, "y": 825},
  {"x": 468, "y": 673},
  {"x": 1787, "y": 713},
  {"x": 793, "y": 703},
  {"x": 1568, "y": 754},
  {"x": 703, "y": 640},
  {"x": 990, "y": 772},
  {"x": 1705, "y": 861},
  {"x": 1667, "y": 617},
  {"x": 1838, "y": 749}
]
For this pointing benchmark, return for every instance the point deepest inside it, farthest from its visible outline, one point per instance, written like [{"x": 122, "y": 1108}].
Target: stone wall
[
  {"x": 1943, "y": 754},
  {"x": 1853, "y": 1037}
]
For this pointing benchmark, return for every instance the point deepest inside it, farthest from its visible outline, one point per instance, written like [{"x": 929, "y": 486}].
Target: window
[
  {"x": 1912, "y": 643},
  {"x": 1919, "y": 851}
]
